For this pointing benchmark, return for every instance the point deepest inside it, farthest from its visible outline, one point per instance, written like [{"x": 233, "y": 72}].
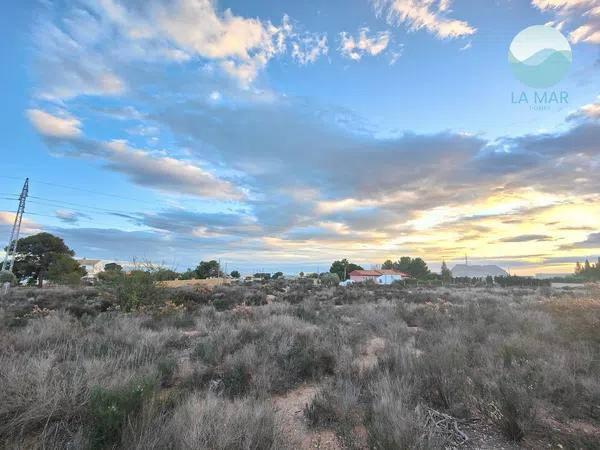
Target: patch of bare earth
[{"x": 290, "y": 408}]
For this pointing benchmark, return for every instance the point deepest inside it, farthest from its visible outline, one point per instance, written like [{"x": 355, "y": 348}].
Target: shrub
[
  {"x": 109, "y": 410},
  {"x": 517, "y": 409},
  {"x": 134, "y": 290},
  {"x": 7, "y": 277},
  {"x": 393, "y": 422},
  {"x": 218, "y": 424}
]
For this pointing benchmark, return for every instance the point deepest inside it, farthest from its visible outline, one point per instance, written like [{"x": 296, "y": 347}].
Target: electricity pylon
[{"x": 11, "y": 251}]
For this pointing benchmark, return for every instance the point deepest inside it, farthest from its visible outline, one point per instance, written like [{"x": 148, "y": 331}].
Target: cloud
[
  {"x": 308, "y": 49},
  {"x": 591, "y": 111},
  {"x": 71, "y": 217},
  {"x": 429, "y": 15},
  {"x": 63, "y": 126},
  {"x": 145, "y": 169},
  {"x": 592, "y": 241},
  {"x": 355, "y": 47},
  {"x": 166, "y": 173},
  {"x": 527, "y": 238},
  {"x": 92, "y": 48},
  {"x": 585, "y": 14}
]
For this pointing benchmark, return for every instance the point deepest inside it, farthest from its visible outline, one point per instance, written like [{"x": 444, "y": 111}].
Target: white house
[{"x": 390, "y": 278}]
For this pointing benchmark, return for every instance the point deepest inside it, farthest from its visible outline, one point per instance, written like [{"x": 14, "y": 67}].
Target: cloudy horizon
[{"x": 283, "y": 136}]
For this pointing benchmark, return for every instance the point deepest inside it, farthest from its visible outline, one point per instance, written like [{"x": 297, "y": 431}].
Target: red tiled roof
[
  {"x": 365, "y": 273},
  {"x": 392, "y": 272}
]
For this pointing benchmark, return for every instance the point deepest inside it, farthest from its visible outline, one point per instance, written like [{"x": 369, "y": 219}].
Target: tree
[
  {"x": 113, "y": 267},
  {"x": 415, "y": 267},
  {"x": 65, "y": 270},
  {"x": 445, "y": 273},
  {"x": 388, "y": 265},
  {"x": 7, "y": 277},
  {"x": 343, "y": 268},
  {"x": 36, "y": 253},
  {"x": 330, "y": 279},
  {"x": 235, "y": 274},
  {"x": 189, "y": 274},
  {"x": 208, "y": 269},
  {"x": 162, "y": 274},
  {"x": 277, "y": 275}
]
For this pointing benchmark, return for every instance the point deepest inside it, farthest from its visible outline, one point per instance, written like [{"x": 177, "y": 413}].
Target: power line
[{"x": 74, "y": 188}]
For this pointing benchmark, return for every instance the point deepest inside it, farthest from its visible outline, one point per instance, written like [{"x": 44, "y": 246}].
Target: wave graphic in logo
[{"x": 540, "y": 56}]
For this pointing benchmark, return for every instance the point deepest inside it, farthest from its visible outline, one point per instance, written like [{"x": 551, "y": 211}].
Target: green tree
[
  {"x": 7, "y": 277},
  {"x": 189, "y": 274},
  {"x": 445, "y": 273},
  {"x": 415, "y": 267},
  {"x": 235, "y": 274},
  {"x": 343, "y": 268},
  {"x": 162, "y": 274},
  {"x": 65, "y": 270},
  {"x": 208, "y": 269},
  {"x": 330, "y": 279},
  {"x": 113, "y": 267},
  {"x": 36, "y": 253},
  {"x": 388, "y": 265},
  {"x": 277, "y": 275}
]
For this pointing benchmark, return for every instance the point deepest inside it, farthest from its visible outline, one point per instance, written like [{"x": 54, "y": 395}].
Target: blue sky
[{"x": 279, "y": 134}]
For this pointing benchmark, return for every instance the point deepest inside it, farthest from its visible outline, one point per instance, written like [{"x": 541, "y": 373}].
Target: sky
[{"x": 283, "y": 135}]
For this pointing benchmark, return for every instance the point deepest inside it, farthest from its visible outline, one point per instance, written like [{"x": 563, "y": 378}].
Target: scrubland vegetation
[{"x": 284, "y": 364}]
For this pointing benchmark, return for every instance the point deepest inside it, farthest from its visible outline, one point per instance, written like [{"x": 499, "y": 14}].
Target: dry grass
[{"x": 274, "y": 365}]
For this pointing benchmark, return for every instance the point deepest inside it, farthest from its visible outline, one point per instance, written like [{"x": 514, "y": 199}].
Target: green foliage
[
  {"x": 133, "y": 290},
  {"x": 445, "y": 273},
  {"x": 208, "y": 269},
  {"x": 588, "y": 271},
  {"x": 36, "y": 253},
  {"x": 343, "y": 268},
  {"x": 65, "y": 270},
  {"x": 110, "y": 409},
  {"x": 235, "y": 274},
  {"x": 515, "y": 280},
  {"x": 7, "y": 277},
  {"x": 415, "y": 267},
  {"x": 113, "y": 267},
  {"x": 162, "y": 274},
  {"x": 277, "y": 275},
  {"x": 263, "y": 275},
  {"x": 330, "y": 279},
  {"x": 188, "y": 275}
]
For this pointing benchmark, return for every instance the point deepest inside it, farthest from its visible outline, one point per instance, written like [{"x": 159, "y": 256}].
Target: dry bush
[{"x": 215, "y": 423}]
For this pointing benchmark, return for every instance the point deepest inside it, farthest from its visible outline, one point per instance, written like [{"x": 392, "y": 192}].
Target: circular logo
[{"x": 540, "y": 56}]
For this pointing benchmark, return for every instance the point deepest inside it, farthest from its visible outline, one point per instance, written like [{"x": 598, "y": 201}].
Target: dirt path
[{"x": 290, "y": 408}]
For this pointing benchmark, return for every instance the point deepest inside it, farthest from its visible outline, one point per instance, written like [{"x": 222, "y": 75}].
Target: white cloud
[
  {"x": 166, "y": 173},
  {"x": 64, "y": 126},
  {"x": 591, "y": 110},
  {"x": 429, "y": 15},
  {"x": 182, "y": 29},
  {"x": 584, "y": 14},
  {"x": 355, "y": 47},
  {"x": 309, "y": 48}
]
